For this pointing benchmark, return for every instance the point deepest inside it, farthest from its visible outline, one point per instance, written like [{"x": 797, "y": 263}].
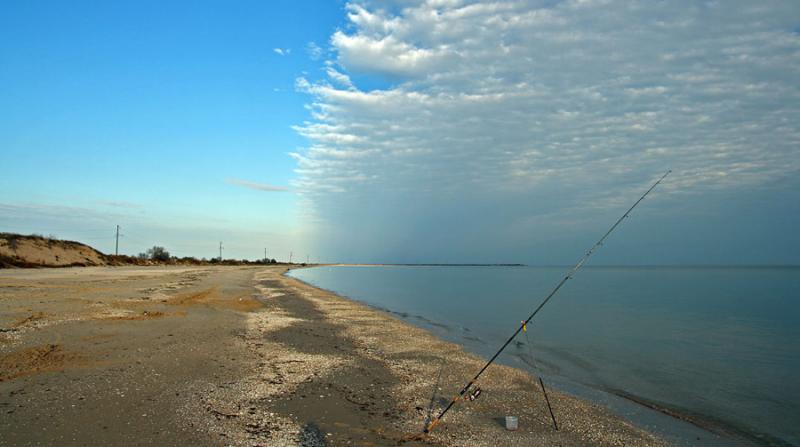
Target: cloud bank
[{"x": 501, "y": 115}]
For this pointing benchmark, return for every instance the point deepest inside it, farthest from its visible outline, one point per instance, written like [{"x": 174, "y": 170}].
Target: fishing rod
[{"x": 430, "y": 426}]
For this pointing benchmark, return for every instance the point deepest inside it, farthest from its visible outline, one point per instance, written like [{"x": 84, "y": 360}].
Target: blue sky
[
  {"x": 146, "y": 110},
  {"x": 406, "y": 131}
]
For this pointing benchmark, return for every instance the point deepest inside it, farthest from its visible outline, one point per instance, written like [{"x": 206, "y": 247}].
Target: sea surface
[{"x": 718, "y": 346}]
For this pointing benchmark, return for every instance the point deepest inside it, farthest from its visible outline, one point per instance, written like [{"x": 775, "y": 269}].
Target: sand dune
[{"x": 36, "y": 251}]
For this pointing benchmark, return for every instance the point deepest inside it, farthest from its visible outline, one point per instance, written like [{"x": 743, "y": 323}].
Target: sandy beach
[{"x": 247, "y": 356}]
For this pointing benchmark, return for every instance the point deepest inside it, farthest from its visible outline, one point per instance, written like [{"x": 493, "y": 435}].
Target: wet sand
[{"x": 247, "y": 356}]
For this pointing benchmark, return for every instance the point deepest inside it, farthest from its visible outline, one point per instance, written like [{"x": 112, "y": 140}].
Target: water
[{"x": 720, "y": 345}]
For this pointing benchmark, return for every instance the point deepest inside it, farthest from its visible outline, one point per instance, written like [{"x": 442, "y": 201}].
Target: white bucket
[{"x": 512, "y": 423}]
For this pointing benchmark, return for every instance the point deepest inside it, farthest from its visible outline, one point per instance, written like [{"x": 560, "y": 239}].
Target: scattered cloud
[
  {"x": 120, "y": 204},
  {"x": 48, "y": 211},
  {"x": 314, "y": 51},
  {"x": 282, "y": 51},
  {"x": 256, "y": 186}
]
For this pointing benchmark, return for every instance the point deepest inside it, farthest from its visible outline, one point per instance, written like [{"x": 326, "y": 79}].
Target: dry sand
[
  {"x": 21, "y": 250},
  {"x": 247, "y": 356}
]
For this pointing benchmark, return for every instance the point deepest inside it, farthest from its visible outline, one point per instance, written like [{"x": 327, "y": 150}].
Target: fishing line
[{"x": 567, "y": 277}]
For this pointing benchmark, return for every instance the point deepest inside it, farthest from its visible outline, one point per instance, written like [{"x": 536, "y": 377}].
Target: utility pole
[
  {"x": 265, "y": 255},
  {"x": 220, "y": 251},
  {"x": 290, "y": 257},
  {"x": 116, "y": 248}
]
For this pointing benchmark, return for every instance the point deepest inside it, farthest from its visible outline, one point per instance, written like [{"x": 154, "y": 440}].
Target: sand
[
  {"x": 40, "y": 251},
  {"x": 247, "y": 356}
]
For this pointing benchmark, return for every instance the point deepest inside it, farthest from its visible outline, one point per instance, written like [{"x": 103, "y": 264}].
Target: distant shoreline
[
  {"x": 37, "y": 251},
  {"x": 565, "y": 267},
  {"x": 415, "y": 265}
]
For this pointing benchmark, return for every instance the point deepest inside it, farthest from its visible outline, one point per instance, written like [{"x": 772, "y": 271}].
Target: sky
[{"x": 405, "y": 130}]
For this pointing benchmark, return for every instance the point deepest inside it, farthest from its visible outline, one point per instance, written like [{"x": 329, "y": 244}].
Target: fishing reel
[{"x": 473, "y": 393}]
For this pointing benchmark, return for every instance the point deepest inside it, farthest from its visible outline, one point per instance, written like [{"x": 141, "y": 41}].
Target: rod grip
[{"x": 431, "y": 425}]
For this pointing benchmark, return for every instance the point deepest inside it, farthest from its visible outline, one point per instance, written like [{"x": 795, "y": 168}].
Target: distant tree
[
  {"x": 158, "y": 253},
  {"x": 13, "y": 241}
]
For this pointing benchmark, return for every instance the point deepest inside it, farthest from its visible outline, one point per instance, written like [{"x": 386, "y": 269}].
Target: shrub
[
  {"x": 13, "y": 241},
  {"x": 158, "y": 254}
]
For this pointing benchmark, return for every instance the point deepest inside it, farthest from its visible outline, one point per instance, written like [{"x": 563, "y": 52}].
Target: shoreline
[
  {"x": 502, "y": 369},
  {"x": 249, "y": 356},
  {"x": 706, "y": 426}
]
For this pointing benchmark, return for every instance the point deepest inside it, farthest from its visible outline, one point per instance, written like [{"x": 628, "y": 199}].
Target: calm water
[{"x": 720, "y": 344}]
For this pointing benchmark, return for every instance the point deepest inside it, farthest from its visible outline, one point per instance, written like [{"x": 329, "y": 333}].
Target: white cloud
[
  {"x": 255, "y": 185},
  {"x": 588, "y": 98},
  {"x": 339, "y": 77},
  {"x": 384, "y": 55},
  {"x": 282, "y": 51},
  {"x": 569, "y": 81},
  {"x": 314, "y": 51}
]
